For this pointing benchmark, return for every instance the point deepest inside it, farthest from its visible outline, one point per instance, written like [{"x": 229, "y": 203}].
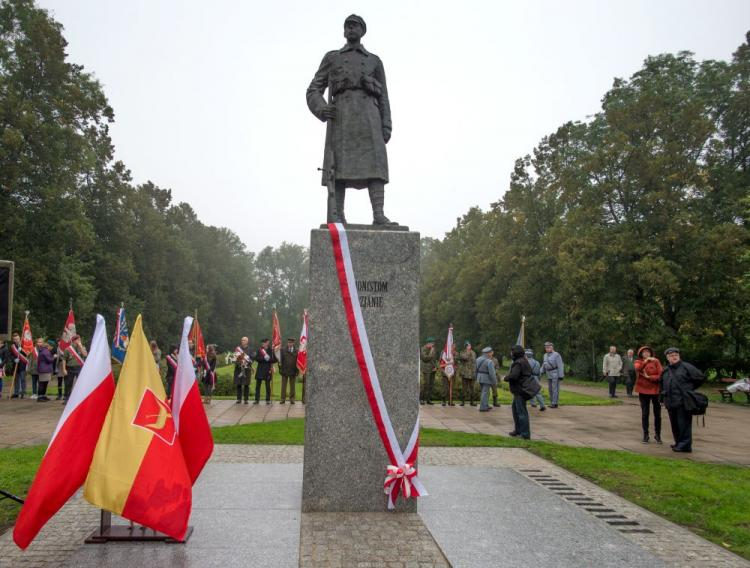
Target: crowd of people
[
  {"x": 45, "y": 363},
  {"x": 673, "y": 385}
]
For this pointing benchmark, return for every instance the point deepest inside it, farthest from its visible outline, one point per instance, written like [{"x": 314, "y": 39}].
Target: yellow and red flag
[
  {"x": 197, "y": 336},
  {"x": 138, "y": 470},
  {"x": 276, "y": 337}
]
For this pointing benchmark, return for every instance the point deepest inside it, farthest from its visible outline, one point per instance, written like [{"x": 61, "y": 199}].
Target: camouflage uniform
[
  {"x": 428, "y": 367},
  {"x": 496, "y": 363},
  {"x": 466, "y": 369}
]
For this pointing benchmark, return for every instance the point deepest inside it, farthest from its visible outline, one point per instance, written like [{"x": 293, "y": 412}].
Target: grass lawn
[{"x": 711, "y": 500}]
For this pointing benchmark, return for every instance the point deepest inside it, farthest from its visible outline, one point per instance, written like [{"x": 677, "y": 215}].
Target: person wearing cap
[
  {"x": 428, "y": 367},
  {"x": 536, "y": 373},
  {"x": 73, "y": 359},
  {"x": 45, "y": 367},
  {"x": 493, "y": 388},
  {"x": 678, "y": 378},
  {"x": 519, "y": 373},
  {"x": 467, "y": 361},
  {"x": 553, "y": 366},
  {"x": 486, "y": 377},
  {"x": 648, "y": 369},
  {"x": 264, "y": 371},
  {"x": 628, "y": 371},
  {"x": 289, "y": 371},
  {"x": 612, "y": 369},
  {"x": 358, "y": 117}
]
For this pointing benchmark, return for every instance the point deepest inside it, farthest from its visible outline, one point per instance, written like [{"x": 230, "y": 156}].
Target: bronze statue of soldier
[{"x": 358, "y": 117}]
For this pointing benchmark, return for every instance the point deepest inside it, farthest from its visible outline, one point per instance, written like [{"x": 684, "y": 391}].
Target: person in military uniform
[
  {"x": 466, "y": 369},
  {"x": 73, "y": 360},
  {"x": 243, "y": 369},
  {"x": 428, "y": 356},
  {"x": 448, "y": 380},
  {"x": 359, "y": 120},
  {"x": 289, "y": 370}
]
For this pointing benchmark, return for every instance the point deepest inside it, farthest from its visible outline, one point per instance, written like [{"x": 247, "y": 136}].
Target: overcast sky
[{"x": 209, "y": 97}]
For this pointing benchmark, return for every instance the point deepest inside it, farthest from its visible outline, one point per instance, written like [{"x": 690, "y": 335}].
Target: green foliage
[
  {"x": 630, "y": 228},
  {"x": 78, "y": 228}
]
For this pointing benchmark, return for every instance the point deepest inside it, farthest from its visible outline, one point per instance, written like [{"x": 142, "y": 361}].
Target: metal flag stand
[{"x": 107, "y": 532}]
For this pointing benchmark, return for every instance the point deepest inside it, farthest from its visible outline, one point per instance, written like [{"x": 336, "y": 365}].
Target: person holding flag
[
  {"x": 20, "y": 362},
  {"x": 448, "y": 368},
  {"x": 73, "y": 358},
  {"x": 120, "y": 340},
  {"x": 275, "y": 344},
  {"x": 66, "y": 462},
  {"x": 263, "y": 373}
]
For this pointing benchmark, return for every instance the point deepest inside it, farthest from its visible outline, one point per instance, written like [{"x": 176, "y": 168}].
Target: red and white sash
[
  {"x": 18, "y": 354},
  {"x": 172, "y": 363},
  {"x": 75, "y": 355},
  {"x": 401, "y": 473}
]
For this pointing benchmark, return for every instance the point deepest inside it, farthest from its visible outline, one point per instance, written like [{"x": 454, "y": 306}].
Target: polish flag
[
  {"x": 302, "y": 353},
  {"x": 189, "y": 414},
  {"x": 66, "y": 463}
]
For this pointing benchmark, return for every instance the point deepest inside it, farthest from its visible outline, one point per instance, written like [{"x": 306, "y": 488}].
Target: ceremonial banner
[
  {"x": 276, "y": 337},
  {"x": 446, "y": 357},
  {"x": 66, "y": 462},
  {"x": 302, "y": 352},
  {"x": 138, "y": 470},
  {"x": 121, "y": 338},
  {"x": 190, "y": 417},
  {"x": 198, "y": 342},
  {"x": 521, "y": 340},
  {"x": 27, "y": 340},
  {"x": 66, "y": 337},
  {"x": 401, "y": 473}
]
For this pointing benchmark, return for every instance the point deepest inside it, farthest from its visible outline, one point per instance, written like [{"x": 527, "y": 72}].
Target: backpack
[{"x": 529, "y": 386}]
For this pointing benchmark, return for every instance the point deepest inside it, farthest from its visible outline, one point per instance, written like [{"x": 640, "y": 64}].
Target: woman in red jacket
[{"x": 648, "y": 369}]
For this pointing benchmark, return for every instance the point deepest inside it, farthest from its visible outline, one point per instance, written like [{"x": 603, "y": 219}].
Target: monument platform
[{"x": 345, "y": 461}]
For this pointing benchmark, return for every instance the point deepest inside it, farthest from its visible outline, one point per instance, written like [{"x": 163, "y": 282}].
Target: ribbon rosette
[{"x": 398, "y": 480}]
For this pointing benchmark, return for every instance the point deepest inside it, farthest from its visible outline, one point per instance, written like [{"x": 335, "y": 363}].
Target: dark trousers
[
  {"x": 42, "y": 388},
  {"x": 428, "y": 383},
  {"x": 34, "y": 384},
  {"x": 612, "y": 385},
  {"x": 682, "y": 428},
  {"x": 521, "y": 417},
  {"x": 60, "y": 387},
  {"x": 647, "y": 400},
  {"x": 467, "y": 389},
  {"x": 292, "y": 381},
  {"x": 630, "y": 382},
  {"x": 268, "y": 389},
  {"x": 70, "y": 380},
  {"x": 243, "y": 390}
]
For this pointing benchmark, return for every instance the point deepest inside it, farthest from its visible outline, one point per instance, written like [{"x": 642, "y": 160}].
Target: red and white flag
[
  {"x": 189, "y": 415},
  {"x": 302, "y": 353},
  {"x": 66, "y": 337},
  {"x": 446, "y": 357},
  {"x": 66, "y": 463},
  {"x": 276, "y": 337}
]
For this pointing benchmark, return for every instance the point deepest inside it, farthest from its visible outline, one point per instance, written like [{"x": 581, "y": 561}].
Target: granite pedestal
[{"x": 345, "y": 463}]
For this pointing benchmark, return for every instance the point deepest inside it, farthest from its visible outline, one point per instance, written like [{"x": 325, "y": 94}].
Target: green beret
[{"x": 430, "y": 340}]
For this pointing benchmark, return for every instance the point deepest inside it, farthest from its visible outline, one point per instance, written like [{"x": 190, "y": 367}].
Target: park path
[{"x": 723, "y": 440}]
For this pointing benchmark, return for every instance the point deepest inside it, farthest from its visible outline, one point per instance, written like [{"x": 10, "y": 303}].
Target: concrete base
[{"x": 345, "y": 463}]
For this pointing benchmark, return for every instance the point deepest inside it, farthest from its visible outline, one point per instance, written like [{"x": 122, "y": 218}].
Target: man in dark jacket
[
  {"x": 243, "y": 360},
  {"x": 289, "y": 371},
  {"x": 263, "y": 373},
  {"x": 677, "y": 379},
  {"x": 520, "y": 371}
]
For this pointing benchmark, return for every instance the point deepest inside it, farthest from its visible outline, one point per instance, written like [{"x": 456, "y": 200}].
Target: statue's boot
[
  {"x": 340, "y": 196},
  {"x": 377, "y": 199}
]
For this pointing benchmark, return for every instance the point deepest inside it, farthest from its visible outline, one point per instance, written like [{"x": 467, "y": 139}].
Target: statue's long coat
[{"x": 357, "y": 80}]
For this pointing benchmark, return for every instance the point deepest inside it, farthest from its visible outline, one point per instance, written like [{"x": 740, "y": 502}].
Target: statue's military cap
[{"x": 357, "y": 19}]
